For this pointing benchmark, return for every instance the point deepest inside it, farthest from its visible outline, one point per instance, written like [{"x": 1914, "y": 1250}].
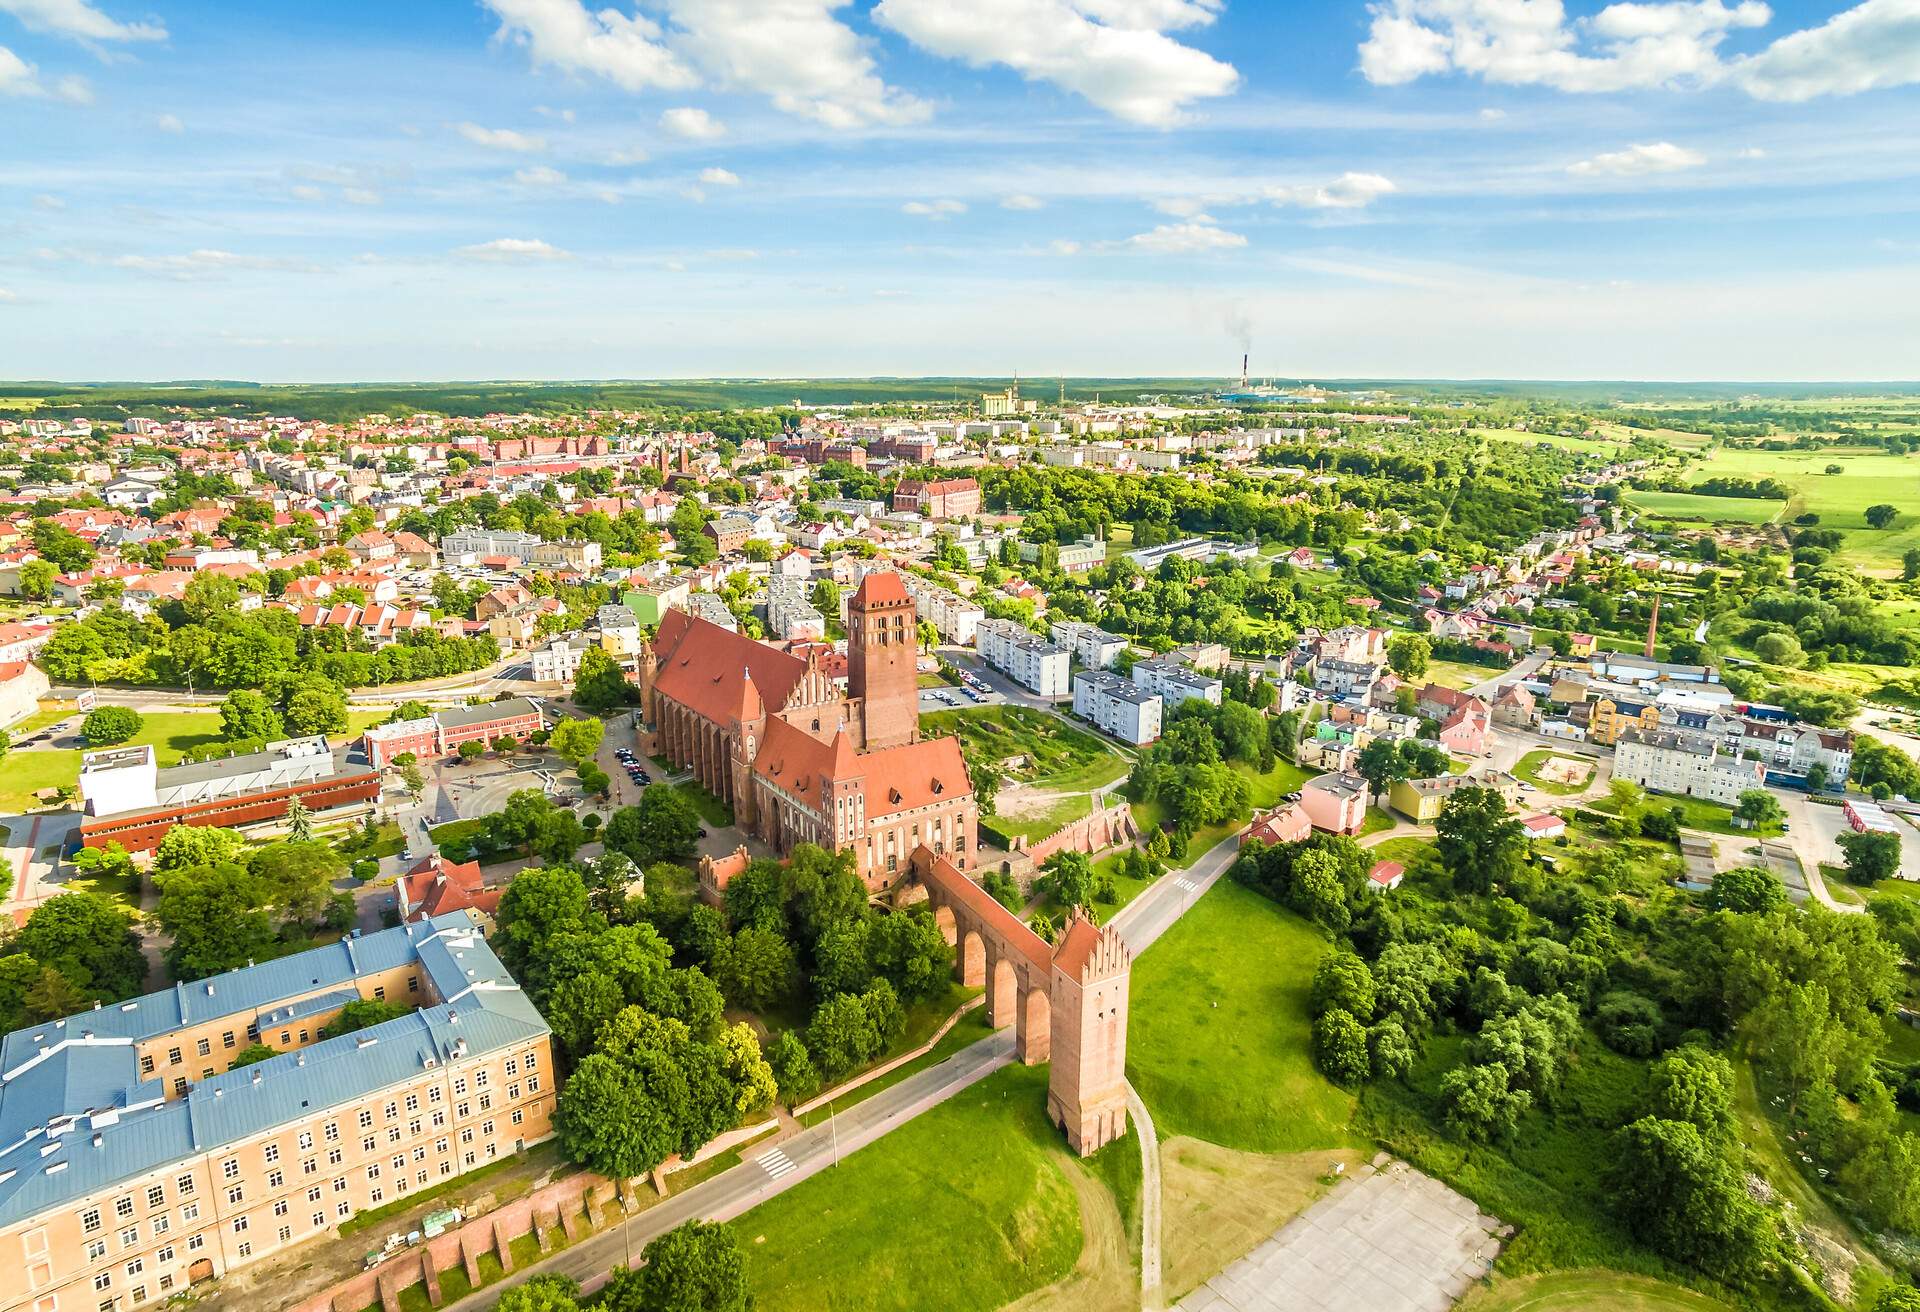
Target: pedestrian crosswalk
[
  {"x": 1184, "y": 884},
  {"x": 775, "y": 1163}
]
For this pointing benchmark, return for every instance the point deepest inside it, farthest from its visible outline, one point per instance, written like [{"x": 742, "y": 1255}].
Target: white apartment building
[
  {"x": 1176, "y": 684},
  {"x": 1096, "y": 648},
  {"x": 559, "y": 660},
  {"x": 1030, "y": 660},
  {"x": 1117, "y": 706},
  {"x": 790, "y": 613},
  {"x": 1688, "y": 764},
  {"x": 952, "y": 614}
]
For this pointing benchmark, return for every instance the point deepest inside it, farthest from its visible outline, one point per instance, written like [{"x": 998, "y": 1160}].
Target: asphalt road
[{"x": 766, "y": 1172}]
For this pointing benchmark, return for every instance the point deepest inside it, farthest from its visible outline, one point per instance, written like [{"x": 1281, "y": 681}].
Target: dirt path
[
  {"x": 1152, "y": 1295},
  {"x": 1102, "y": 1280}
]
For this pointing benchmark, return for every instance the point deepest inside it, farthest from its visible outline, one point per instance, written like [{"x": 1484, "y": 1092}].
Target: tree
[
  {"x": 107, "y": 725},
  {"x": 472, "y": 751},
  {"x": 1481, "y": 1102},
  {"x": 1627, "y": 798},
  {"x": 217, "y": 918},
  {"x": 1910, "y": 564},
  {"x": 793, "y": 1069},
  {"x": 542, "y": 1293},
  {"x": 64, "y": 548},
  {"x": 1480, "y": 844},
  {"x": 1340, "y": 1047},
  {"x": 1780, "y": 649},
  {"x": 247, "y": 716},
  {"x": 841, "y": 1036},
  {"x": 1069, "y": 878},
  {"x": 909, "y": 952},
  {"x": 1408, "y": 654},
  {"x": 1898, "y": 1298},
  {"x": 299, "y": 821},
  {"x": 1758, "y": 808},
  {"x": 197, "y": 845},
  {"x": 317, "y": 711},
  {"x": 1343, "y": 981},
  {"x": 1882, "y": 515},
  {"x": 576, "y": 740},
  {"x": 601, "y": 685},
  {"x": 297, "y": 878},
  {"x": 695, "y": 1267},
  {"x": 1696, "y": 1086},
  {"x": 89, "y": 940},
  {"x": 606, "y": 1122},
  {"x": 36, "y": 579},
  {"x": 52, "y": 995},
  {"x": 411, "y": 777},
  {"x": 755, "y": 968},
  {"x": 1748, "y": 890},
  {"x": 539, "y": 907},
  {"x": 253, "y": 1052},
  {"x": 1678, "y": 1193},
  {"x": 362, "y": 1014},
  {"x": 663, "y": 827},
  {"x": 1871, "y": 856}
]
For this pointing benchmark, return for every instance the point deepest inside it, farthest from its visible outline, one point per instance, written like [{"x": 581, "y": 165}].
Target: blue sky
[{"x": 544, "y": 188}]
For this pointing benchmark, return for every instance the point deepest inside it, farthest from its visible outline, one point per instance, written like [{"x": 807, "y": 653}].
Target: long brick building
[
  {"x": 769, "y": 733},
  {"x": 139, "y": 1162}
]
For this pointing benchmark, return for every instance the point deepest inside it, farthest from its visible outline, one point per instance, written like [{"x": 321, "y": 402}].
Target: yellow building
[{"x": 1607, "y": 718}]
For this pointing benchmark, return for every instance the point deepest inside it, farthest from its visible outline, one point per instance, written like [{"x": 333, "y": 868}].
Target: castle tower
[
  {"x": 646, "y": 670},
  {"x": 1087, "y": 997},
  {"x": 882, "y": 647}
]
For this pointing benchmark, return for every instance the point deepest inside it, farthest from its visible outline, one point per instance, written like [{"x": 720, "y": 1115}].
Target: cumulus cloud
[
  {"x": 1655, "y": 157},
  {"x": 1625, "y": 45},
  {"x": 1866, "y": 48},
  {"x": 1061, "y": 246},
  {"x": 693, "y": 124},
  {"x": 1022, "y": 201},
  {"x": 79, "y": 20},
  {"x": 170, "y": 123},
  {"x": 719, "y": 177},
  {"x": 501, "y": 138},
  {"x": 539, "y": 175},
  {"x": 1349, "y": 191},
  {"x": 49, "y": 202},
  {"x": 7, "y": 297},
  {"x": 508, "y": 250},
  {"x": 1116, "y": 54},
  {"x": 808, "y": 62},
  {"x": 934, "y": 209},
  {"x": 1186, "y": 239}
]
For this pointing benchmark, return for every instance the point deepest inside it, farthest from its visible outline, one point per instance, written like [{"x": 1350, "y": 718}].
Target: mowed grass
[
  {"x": 1588, "y": 1291},
  {"x": 1218, "y": 1036},
  {"x": 1051, "y": 753},
  {"x": 1529, "y": 766},
  {"x": 965, "y": 1208},
  {"x": 1713, "y": 510}
]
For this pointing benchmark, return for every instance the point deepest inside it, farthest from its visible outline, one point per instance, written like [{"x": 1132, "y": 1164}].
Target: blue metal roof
[{"x": 75, "y": 1116}]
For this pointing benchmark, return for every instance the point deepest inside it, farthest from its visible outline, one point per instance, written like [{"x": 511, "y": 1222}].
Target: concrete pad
[{"x": 1390, "y": 1241}]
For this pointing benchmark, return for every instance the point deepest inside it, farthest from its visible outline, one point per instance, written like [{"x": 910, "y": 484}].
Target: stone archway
[
  {"x": 1033, "y": 1032},
  {"x": 1003, "y": 993},
  {"x": 972, "y": 960},
  {"x": 949, "y": 930}
]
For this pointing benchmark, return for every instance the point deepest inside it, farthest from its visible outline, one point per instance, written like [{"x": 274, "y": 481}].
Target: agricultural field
[
  {"x": 1717, "y": 510},
  {"x": 1867, "y": 477}
]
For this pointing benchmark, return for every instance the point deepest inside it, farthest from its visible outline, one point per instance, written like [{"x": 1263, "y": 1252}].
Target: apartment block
[
  {"x": 142, "y": 1162},
  {"x": 1688, "y": 764},
  {"x": 1030, "y": 660},
  {"x": 1121, "y": 708},
  {"x": 1176, "y": 683},
  {"x": 1096, "y": 648}
]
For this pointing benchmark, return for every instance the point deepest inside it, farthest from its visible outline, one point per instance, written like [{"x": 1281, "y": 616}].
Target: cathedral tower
[{"x": 882, "y": 648}]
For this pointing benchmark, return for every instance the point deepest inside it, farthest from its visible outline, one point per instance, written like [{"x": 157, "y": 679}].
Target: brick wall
[{"x": 1089, "y": 834}]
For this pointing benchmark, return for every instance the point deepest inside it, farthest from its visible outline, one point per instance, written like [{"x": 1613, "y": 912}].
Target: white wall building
[
  {"x": 1096, "y": 648},
  {"x": 1687, "y": 764},
  {"x": 1176, "y": 684},
  {"x": 953, "y": 615},
  {"x": 559, "y": 660},
  {"x": 1030, "y": 660},
  {"x": 1119, "y": 707}
]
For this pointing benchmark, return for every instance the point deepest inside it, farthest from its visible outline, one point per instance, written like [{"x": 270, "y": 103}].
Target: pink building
[
  {"x": 1287, "y": 823},
  {"x": 1336, "y": 803}
]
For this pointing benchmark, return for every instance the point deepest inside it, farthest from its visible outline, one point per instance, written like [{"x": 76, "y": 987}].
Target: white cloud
[
  {"x": 1531, "y": 42},
  {"x": 79, "y": 20},
  {"x": 539, "y": 175},
  {"x": 200, "y": 264},
  {"x": 1871, "y": 46},
  {"x": 47, "y": 202},
  {"x": 501, "y": 138},
  {"x": 1654, "y": 157},
  {"x": 718, "y": 177},
  {"x": 1185, "y": 239},
  {"x": 170, "y": 123},
  {"x": 19, "y": 78},
  {"x": 1753, "y": 152},
  {"x": 1491, "y": 115},
  {"x": 934, "y": 209},
  {"x": 548, "y": 111},
  {"x": 503, "y": 250},
  {"x": 1061, "y": 246},
  {"x": 627, "y": 157},
  {"x": 7, "y": 297},
  {"x": 1137, "y": 73},
  {"x": 360, "y": 196},
  {"x": 1022, "y": 201},
  {"x": 693, "y": 124},
  {"x": 808, "y": 62},
  {"x": 623, "y": 48},
  {"x": 308, "y": 193},
  {"x": 1349, "y": 191}
]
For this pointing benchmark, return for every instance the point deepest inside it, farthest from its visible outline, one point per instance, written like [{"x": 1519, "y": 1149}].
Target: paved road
[
  {"x": 1528, "y": 665},
  {"x": 767, "y": 1172},
  {"x": 1152, "y": 914}
]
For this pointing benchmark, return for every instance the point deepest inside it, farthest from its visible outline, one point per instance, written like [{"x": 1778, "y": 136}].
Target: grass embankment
[
  {"x": 968, "y": 1030},
  {"x": 1032, "y": 747},
  {"x": 1588, "y": 1291},
  {"x": 965, "y": 1208},
  {"x": 1217, "y": 1045}
]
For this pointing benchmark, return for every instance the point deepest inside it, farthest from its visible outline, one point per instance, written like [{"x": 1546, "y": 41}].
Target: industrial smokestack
[{"x": 1243, "y": 370}]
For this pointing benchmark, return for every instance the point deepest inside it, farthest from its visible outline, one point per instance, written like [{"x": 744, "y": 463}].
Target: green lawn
[
  {"x": 964, "y": 1208},
  {"x": 969, "y": 1029},
  {"x": 1051, "y": 753},
  {"x": 1456, "y": 674},
  {"x": 712, "y": 810},
  {"x": 1867, "y": 477},
  {"x": 1217, "y": 1044},
  {"x": 1409, "y": 852},
  {"x": 1588, "y": 1291},
  {"x": 1697, "y": 813},
  {"x": 1035, "y": 825},
  {"x": 1528, "y": 768}
]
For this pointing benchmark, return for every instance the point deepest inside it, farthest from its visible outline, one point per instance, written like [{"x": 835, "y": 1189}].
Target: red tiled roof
[
  {"x": 1075, "y": 946},
  {"x": 883, "y": 587},
  {"x": 703, "y": 667}
]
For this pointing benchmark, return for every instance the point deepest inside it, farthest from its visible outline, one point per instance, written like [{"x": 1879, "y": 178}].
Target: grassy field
[
  {"x": 1696, "y": 813},
  {"x": 1053, "y": 754},
  {"x": 1035, "y": 823},
  {"x": 1528, "y": 768},
  {"x": 1867, "y": 477},
  {"x": 1455, "y": 674},
  {"x": 966, "y": 1208},
  {"x": 1714, "y": 510},
  {"x": 1218, "y": 1038},
  {"x": 1588, "y": 1291}
]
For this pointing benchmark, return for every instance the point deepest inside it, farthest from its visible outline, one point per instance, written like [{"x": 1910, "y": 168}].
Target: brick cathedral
[{"x": 799, "y": 761}]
